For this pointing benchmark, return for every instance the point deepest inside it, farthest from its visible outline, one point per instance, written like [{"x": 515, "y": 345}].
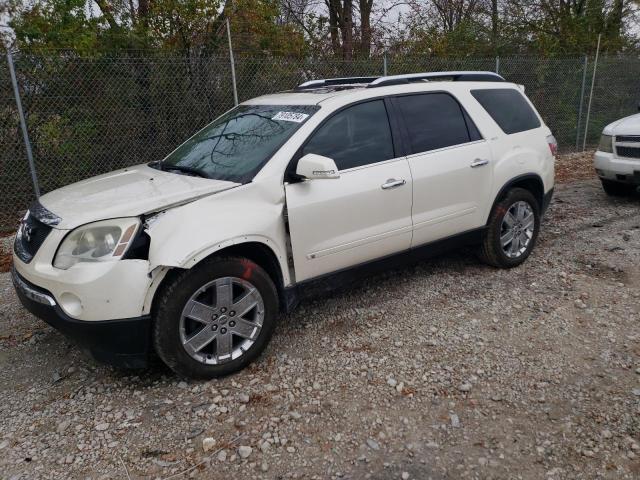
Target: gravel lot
[{"x": 449, "y": 369}]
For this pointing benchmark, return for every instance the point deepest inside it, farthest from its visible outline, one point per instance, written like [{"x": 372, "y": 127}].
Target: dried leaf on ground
[
  {"x": 574, "y": 166},
  {"x": 5, "y": 262}
]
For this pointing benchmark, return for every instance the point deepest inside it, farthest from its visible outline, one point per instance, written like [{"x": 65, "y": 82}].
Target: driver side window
[{"x": 358, "y": 135}]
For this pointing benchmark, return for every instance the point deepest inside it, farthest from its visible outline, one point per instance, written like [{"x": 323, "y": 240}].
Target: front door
[{"x": 364, "y": 214}]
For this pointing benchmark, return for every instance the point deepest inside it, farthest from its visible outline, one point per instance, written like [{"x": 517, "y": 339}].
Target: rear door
[
  {"x": 450, "y": 164},
  {"x": 364, "y": 214}
]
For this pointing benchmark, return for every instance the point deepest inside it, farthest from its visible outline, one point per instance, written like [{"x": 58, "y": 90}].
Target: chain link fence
[{"x": 87, "y": 116}]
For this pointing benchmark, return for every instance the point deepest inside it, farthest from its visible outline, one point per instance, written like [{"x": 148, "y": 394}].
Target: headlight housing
[
  {"x": 103, "y": 241},
  {"x": 606, "y": 144}
]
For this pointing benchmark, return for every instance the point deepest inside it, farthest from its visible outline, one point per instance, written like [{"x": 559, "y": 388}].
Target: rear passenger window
[
  {"x": 508, "y": 108},
  {"x": 434, "y": 120},
  {"x": 356, "y": 136}
]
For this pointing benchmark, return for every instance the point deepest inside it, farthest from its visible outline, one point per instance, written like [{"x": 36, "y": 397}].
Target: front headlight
[
  {"x": 103, "y": 241},
  {"x": 606, "y": 144}
]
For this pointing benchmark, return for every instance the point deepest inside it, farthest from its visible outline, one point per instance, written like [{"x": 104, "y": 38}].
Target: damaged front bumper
[{"x": 120, "y": 342}]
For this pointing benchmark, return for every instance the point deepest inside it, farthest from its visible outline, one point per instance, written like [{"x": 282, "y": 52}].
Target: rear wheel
[
  {"x": 512, "y": 230},
  {"x": 617, "y": 189},
  {"x": 215, "y": 319}
]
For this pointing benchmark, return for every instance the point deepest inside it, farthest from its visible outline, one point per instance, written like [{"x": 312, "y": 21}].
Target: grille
[
  {"x": 631, "y": 152},
  {"x": 628, "y": 138},
  {"x": 30, "y": 238}
]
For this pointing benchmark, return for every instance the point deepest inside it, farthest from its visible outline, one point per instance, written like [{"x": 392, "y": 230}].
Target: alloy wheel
[
  {"x": 516, "y": 231},
  {"x": 221, "y": 320}
]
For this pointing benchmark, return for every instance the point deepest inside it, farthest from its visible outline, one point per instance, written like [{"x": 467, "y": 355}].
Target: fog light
[{"x": 71, "y": 304}]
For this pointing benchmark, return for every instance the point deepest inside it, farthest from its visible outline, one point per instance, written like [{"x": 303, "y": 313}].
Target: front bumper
[
  {"x": 610, "y": 167},
  {"x": 89, "y": 291},
  {"x": 122, "y": 342}
]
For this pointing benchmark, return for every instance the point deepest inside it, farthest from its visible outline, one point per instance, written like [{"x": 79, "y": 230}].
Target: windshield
[{"x": 235, "y": 146}]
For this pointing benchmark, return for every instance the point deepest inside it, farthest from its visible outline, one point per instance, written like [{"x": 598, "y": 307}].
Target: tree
[
  {"x": 366, "y": 7},
  {"x": 449, "y": 27},
  {"x": 345, "y": 29},
  {"x": 571, "y": 26},
  {"x": 54, "y": 24},
  {"x": 453, "y": 13}
]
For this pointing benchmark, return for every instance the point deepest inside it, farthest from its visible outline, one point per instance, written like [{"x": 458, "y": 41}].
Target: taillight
[{"x": 553, "y": 145}]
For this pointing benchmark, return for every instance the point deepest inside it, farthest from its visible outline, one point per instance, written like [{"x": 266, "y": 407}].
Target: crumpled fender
[{"x": 183, "y": 236}]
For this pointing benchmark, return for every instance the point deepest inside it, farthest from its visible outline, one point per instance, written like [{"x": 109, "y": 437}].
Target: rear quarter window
[{"x": 508, "y": 108}]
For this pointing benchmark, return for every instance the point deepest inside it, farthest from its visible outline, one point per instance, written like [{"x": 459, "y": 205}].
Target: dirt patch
[
  {"x": 5, "y": 262},
  {"x": 574, "y": 166},
  {"x": 5, "y": 253}
]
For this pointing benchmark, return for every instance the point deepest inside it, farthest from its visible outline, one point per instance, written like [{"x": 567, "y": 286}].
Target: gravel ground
[{"x": 445, "y": 370}]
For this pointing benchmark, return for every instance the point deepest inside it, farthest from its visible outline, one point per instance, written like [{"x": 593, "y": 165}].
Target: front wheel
[
  {"x": 216, "y": 318},
  {"x": 512, "y": 230}
]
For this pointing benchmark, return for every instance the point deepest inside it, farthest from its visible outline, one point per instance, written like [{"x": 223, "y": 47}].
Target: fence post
[
  {"x": 23, "y": 124},
  {"x": 593, "y": 81},
  {"x": 497, "y": 65},
  {"x": 233, "y": 66},
  {"x": 384, "y": 62},
  {"x": 584, "y": 82}
]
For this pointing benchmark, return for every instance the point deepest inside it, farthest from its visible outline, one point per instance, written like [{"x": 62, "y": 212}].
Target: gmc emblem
[{"x": 27, "y": 232}]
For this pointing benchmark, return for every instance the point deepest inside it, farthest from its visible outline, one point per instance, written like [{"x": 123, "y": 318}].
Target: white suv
[
  {"x": 617, "y": 160},
  {"x": 194, "y": 256}
]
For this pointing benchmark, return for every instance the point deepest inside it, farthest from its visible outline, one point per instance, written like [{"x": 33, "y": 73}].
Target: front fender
[{"x": 184, "y": 236}]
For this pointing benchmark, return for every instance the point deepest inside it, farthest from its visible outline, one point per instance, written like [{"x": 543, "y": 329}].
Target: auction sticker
[{"x": 290, "y": 117}]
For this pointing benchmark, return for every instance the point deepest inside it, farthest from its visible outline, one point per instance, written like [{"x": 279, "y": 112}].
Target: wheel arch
[
  {"x": 258, "y": 252},
  {"x": 528, "y": 181}
]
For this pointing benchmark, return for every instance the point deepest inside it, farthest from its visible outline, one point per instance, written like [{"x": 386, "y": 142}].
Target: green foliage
[
  {"x": 187, "y": 26},
  {"x": 467, "y": 39},
  {"x": 56, "y": 23},
  {"x": 256, "y": 30},
  {"x": 435, "y": 27},
  {"x": 182, "y": 24}
]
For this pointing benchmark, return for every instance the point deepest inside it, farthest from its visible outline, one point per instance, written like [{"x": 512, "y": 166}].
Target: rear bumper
[{"x": 122, "y": 343}]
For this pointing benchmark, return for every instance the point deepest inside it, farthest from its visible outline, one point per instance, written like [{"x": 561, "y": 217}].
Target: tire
[
  {"x": 511, "y": 254},
  {"x": 221, "y": 341},
  {"x": 616, "y": 189}
]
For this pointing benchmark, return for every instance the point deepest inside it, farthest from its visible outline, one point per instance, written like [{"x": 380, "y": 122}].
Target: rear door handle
[
  {"x": 478, "y": 162},
  {"x": 393, "y": 183}
]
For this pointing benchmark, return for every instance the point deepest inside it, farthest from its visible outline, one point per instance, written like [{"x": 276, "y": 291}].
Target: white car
[
  {"x": 194, "y": 256},
  {"x": 617, "y": 160}
]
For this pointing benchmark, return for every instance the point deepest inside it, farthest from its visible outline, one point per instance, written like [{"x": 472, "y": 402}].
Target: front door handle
[
  {"x": 478, "y": 162},
  {"x": 393, "y": 183}
]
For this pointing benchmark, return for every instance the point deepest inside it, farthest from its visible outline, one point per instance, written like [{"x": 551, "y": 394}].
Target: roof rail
[
  {"x": 372, "y": 82},
  {"x": 327, "y": 82},
  {"x": 461, "y": 76}
]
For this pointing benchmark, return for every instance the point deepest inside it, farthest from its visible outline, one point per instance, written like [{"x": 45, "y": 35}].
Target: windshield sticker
[{"x": 290, "y": 117}]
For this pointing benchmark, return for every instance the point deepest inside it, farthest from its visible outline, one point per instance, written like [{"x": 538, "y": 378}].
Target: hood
[
  {"x": 625, "y": 126},
  {"x": 128, "y": 192}
]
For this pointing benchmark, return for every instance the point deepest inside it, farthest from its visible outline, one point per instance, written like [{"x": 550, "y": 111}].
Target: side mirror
[
  {"x": 639, "y": 106},
  {"x": 313, "y": 167}
]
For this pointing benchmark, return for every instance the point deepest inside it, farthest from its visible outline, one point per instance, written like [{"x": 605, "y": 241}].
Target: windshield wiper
[
  {"x": 179, "y": 168},
  {"x": 182, "y": 168}
]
